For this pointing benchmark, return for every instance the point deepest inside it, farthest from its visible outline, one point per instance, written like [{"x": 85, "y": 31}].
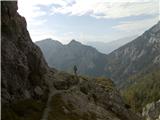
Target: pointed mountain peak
[
  {"x": 51, "y": 41},
  {"x": 74, "y": 42},
  {"x": 48, "y": 39},
  {"x": 56, "y": 41}
]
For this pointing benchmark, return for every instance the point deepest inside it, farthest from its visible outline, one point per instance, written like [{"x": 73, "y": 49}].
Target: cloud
[
  {"x": 37, "y": 17},
  {"x": 136, "y": 26},
  {"x": 84, "y": 37},
  {"x": 96, "y": 8},
  {"x": 106, "y": 9},
  {"x": 30, "y": 10},
  {"x": 42, "y": 33}
]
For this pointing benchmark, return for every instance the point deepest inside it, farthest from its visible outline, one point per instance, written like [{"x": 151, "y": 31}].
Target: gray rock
[
  {"x": 38, "y": 91},
  {"x": 61, "y": 85},
  {"x": 152, "y": 111},
  {"x": 27, "y": 94},
  {"x": 23, "y": 66}
]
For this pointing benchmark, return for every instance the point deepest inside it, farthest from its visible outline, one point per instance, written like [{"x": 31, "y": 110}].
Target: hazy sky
[{"x": 88, "y": 20}]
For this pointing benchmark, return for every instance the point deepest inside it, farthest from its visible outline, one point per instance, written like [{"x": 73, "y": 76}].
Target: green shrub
[
  {"x": 144, "y": 90},
  {"x": 107, "y": 83}
]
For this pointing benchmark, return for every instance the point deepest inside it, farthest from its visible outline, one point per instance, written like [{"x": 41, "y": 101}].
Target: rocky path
[
  {"x": 53, "y": 92},
  {"x": 47, "y": 109}
]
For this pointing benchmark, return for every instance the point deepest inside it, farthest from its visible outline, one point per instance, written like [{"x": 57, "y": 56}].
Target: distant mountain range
[
  {"x": 88, "y": 60},
  {"x": 138, "y": 56},
  {"x": 110, "y": 46}
]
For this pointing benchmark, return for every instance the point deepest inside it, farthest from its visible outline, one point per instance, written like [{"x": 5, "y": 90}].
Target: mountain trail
[{"x": 53, "y": 92}]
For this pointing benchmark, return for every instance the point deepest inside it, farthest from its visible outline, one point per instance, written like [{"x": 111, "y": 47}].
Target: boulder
[{"x": 152, "y": 111}]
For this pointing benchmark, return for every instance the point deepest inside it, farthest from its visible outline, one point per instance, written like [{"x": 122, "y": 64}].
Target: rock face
[
  {"x": 88, "y": 60},
  {"x": 23, "y": 66},
  {"x": 152, "y": 111},
  {"x": 139, "y": 56},
  {"x": 33, "y": 91}
]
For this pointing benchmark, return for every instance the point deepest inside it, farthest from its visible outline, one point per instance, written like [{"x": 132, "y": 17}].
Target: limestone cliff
[{"x": 23, "y": 67}]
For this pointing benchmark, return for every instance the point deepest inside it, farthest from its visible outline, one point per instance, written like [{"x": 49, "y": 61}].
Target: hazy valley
[{"x": 109, "y": 47}]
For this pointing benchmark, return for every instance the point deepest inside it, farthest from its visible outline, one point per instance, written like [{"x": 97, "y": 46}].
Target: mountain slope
[
  {"x": 143, "y": 90},
  {"x": 32, "y": 91},
  {"x": 138, "y": 56},
  {"x": 109, "y": 47},
  {"x": 88, "y": 60}
]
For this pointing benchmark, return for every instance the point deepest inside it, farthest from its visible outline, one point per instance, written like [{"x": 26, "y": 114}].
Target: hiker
[{"x": 75, "y": 69}]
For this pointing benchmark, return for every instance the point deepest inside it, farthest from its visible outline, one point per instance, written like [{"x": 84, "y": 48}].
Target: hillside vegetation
[{"x": 144, "y": 90}]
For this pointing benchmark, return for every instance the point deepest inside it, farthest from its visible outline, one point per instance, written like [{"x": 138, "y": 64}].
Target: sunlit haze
[{"x": 92, "y": 20}]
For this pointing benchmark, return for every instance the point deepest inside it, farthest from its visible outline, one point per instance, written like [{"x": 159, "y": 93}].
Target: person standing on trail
[{"x": 75, "y": 69}]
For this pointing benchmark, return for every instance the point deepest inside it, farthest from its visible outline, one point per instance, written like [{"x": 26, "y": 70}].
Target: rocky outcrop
[
  {"x": 33, "y": 91},
  {"x": 23, "y": 66},
  {"x": 152, "y": 111},
  {"x": 88, "y": 99}
]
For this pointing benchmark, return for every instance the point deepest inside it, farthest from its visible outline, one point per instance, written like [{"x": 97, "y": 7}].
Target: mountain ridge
[
  {"x": 133, "y": 58},
  {"x": 122, "y": 63},
  {"x": 74, "y": 53}
]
